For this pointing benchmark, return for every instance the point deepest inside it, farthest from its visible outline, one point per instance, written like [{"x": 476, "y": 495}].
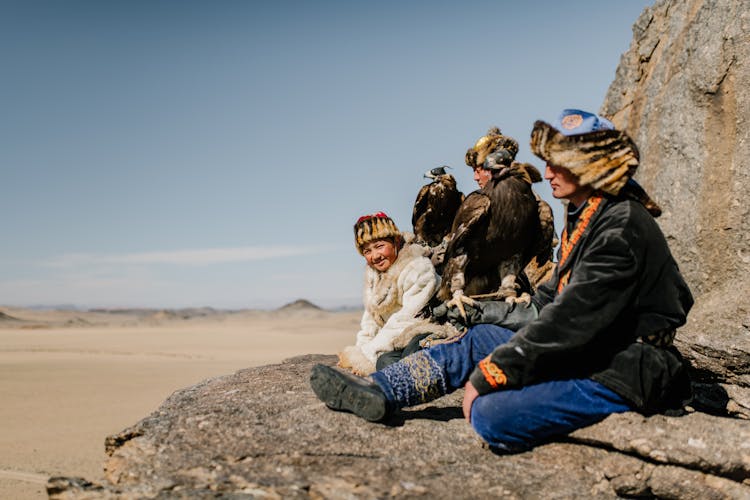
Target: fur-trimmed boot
[{"x": 414, "y": 380}]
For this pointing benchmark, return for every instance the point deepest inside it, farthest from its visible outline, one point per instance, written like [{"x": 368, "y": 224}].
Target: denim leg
[
  {"x": 516, "y": 420},
  {"x": 428, "y": 374},
  {"x": 460, "y": 358}
]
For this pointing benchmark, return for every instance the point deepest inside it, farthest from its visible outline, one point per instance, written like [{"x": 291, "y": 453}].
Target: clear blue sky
[{"x": 216, "y": 153}]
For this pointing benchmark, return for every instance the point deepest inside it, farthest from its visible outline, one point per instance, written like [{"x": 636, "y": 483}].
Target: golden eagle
[
  {"x": 541, "y": 266},
  {"x": 435, "y": 207},
  {"x": 497, "y": 229}
]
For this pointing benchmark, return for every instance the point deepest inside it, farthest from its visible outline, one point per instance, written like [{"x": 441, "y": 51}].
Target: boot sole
[{"x": 340, "y": 392}]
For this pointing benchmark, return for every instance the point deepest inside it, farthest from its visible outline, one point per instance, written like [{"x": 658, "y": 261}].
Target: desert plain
[{"x": 69, "y": 378}]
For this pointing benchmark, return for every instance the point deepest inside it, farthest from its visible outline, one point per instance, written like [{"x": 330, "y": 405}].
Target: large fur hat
[
  {"x": 373, "y": 227},
  {"x": 490, "y": 143},
  {"x": 589, "y": 147}
]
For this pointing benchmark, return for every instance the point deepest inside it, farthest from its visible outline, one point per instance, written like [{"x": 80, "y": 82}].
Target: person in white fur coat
[{"x": 399, "y": 281}]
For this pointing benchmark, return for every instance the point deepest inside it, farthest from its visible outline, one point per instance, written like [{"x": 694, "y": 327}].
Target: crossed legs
[{"x": 508, "y": 420}]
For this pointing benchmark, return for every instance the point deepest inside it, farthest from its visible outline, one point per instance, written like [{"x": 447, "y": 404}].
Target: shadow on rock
[
  {"x": 438, "y": 414},
  {"x": 710, "y": 398}
]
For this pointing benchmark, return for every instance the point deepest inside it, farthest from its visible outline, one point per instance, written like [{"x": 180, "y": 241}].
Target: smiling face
[
  {"x": 482, "y": 175},
  {"x": 380, "y": 254},
  {"x": 565, "y": 185}
]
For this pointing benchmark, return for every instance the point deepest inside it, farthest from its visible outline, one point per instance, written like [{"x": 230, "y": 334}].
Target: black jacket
[{"x": 624, "y": 285}]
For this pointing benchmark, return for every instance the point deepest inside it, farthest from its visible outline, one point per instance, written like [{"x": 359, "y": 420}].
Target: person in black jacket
[{"x": 596, "y": 338}]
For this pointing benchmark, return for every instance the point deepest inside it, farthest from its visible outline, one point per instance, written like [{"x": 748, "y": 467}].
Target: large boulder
[
  {"x": 261, "y": 432},
  {"x": 682, "y": 91}
]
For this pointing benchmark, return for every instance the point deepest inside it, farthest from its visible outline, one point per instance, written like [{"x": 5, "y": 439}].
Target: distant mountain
[
  {"x": 55, "y": 307},
  {"x": 300, "y": 305},
  {"x": 7, "y": 317}
]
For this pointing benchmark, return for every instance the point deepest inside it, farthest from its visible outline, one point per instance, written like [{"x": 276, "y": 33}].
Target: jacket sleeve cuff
[{"x": 488, "y": 377}]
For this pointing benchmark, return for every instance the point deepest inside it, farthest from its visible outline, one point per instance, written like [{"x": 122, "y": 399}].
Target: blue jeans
[{"x": 513, "y": 419}]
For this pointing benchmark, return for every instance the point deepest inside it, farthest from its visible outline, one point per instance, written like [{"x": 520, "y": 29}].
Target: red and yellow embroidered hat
[{"x": 373, "y": 227}]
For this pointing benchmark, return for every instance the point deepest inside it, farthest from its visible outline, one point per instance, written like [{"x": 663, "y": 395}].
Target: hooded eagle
[
  {"x": 435, "y": 207},
  {"x": 497, "y": 229}
]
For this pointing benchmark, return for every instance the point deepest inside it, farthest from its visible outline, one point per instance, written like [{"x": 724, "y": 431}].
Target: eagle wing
[
  {"x": 474, "y": 208},
  {"x": 420, "y": 207},
  {"x": 541, "y": 267},
  {"x": 547, "y": 240},
  {"x": 470, "y": 218},
  {"x": 434, "y": 210},
  {"x": 526, "y": 171}
]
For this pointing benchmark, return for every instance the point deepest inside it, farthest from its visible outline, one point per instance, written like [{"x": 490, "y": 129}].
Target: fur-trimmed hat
[
  {"x": 373, "y": 227},
  {"x": 588, "y": 146},
  {"x": 492, "y": 142},
  {"x": 592, "y": 149}
]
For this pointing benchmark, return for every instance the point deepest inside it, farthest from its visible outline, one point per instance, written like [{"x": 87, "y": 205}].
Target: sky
[{"x": 182, "y": 153}]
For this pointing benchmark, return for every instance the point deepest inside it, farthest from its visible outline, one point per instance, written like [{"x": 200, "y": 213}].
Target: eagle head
[
  {"x": 436, "y": 172},
  {"x": 498, "y": 159}
]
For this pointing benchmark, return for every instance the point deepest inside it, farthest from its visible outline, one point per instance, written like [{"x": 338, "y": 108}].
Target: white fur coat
[{"x": 391, "y": 301}]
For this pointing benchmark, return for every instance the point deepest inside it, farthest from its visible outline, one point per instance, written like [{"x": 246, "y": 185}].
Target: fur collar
[{"x": 382, "y": 295}]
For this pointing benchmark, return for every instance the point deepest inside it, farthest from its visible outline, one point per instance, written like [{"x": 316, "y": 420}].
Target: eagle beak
[{"x": 429, "y": 175}]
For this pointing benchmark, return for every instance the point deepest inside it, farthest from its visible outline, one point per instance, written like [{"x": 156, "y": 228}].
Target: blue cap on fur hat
[{"x": 575, "y": 121}]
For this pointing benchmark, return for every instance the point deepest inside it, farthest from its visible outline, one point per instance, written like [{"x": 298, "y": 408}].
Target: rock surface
[
  {"x": 262, "y": 433},
  {"x": 681, "y": 90}
]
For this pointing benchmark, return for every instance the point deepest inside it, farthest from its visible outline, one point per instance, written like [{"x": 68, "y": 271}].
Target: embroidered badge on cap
[{"x": 570, "y": 122}]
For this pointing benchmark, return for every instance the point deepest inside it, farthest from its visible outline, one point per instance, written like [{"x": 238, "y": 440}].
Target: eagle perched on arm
[
  {"x": 435, "y": 207},
  {"x": 497, "y": 229}
]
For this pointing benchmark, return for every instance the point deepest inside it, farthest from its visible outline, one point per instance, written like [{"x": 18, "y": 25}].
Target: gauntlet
[{"x": 512, "y": 316}]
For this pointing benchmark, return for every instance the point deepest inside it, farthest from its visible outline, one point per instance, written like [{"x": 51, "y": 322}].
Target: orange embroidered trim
[
  {"x": 567, "y": 245},
  {"x": 493, "y": 374},
  {"x": 563, "y": 281}
]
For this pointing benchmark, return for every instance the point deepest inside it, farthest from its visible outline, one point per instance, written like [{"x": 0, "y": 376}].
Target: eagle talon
[
  {"x": 524, "y": 299},
  {"x": 458, "y": 300}
]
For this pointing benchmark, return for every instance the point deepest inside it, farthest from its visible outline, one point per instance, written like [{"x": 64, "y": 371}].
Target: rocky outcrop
[
  {"x": 681, "y": 91},
  {"x": 262, "y": 433}
]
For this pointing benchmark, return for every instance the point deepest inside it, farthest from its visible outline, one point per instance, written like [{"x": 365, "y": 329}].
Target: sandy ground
[{"x": 65, "y": 387}]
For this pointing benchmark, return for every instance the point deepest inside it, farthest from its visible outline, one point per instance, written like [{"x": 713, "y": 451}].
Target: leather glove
[
  {"x": 439, "y": 312},
  {"x": 510, "y": 316},
  {"x": 474, "y": 313},
  {"x": 491, "y": 312},
  {"x": 518, "y": 316}
]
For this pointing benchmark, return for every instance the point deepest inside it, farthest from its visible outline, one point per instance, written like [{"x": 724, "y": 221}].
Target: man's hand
[{"x": 469, "y": 396}]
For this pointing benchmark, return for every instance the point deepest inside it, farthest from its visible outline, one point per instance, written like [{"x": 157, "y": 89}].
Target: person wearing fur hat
[
  {"x": 596, "y": 338},
  {"x": 399, "y": 282},
  {"x": 504, "y": 147}
]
